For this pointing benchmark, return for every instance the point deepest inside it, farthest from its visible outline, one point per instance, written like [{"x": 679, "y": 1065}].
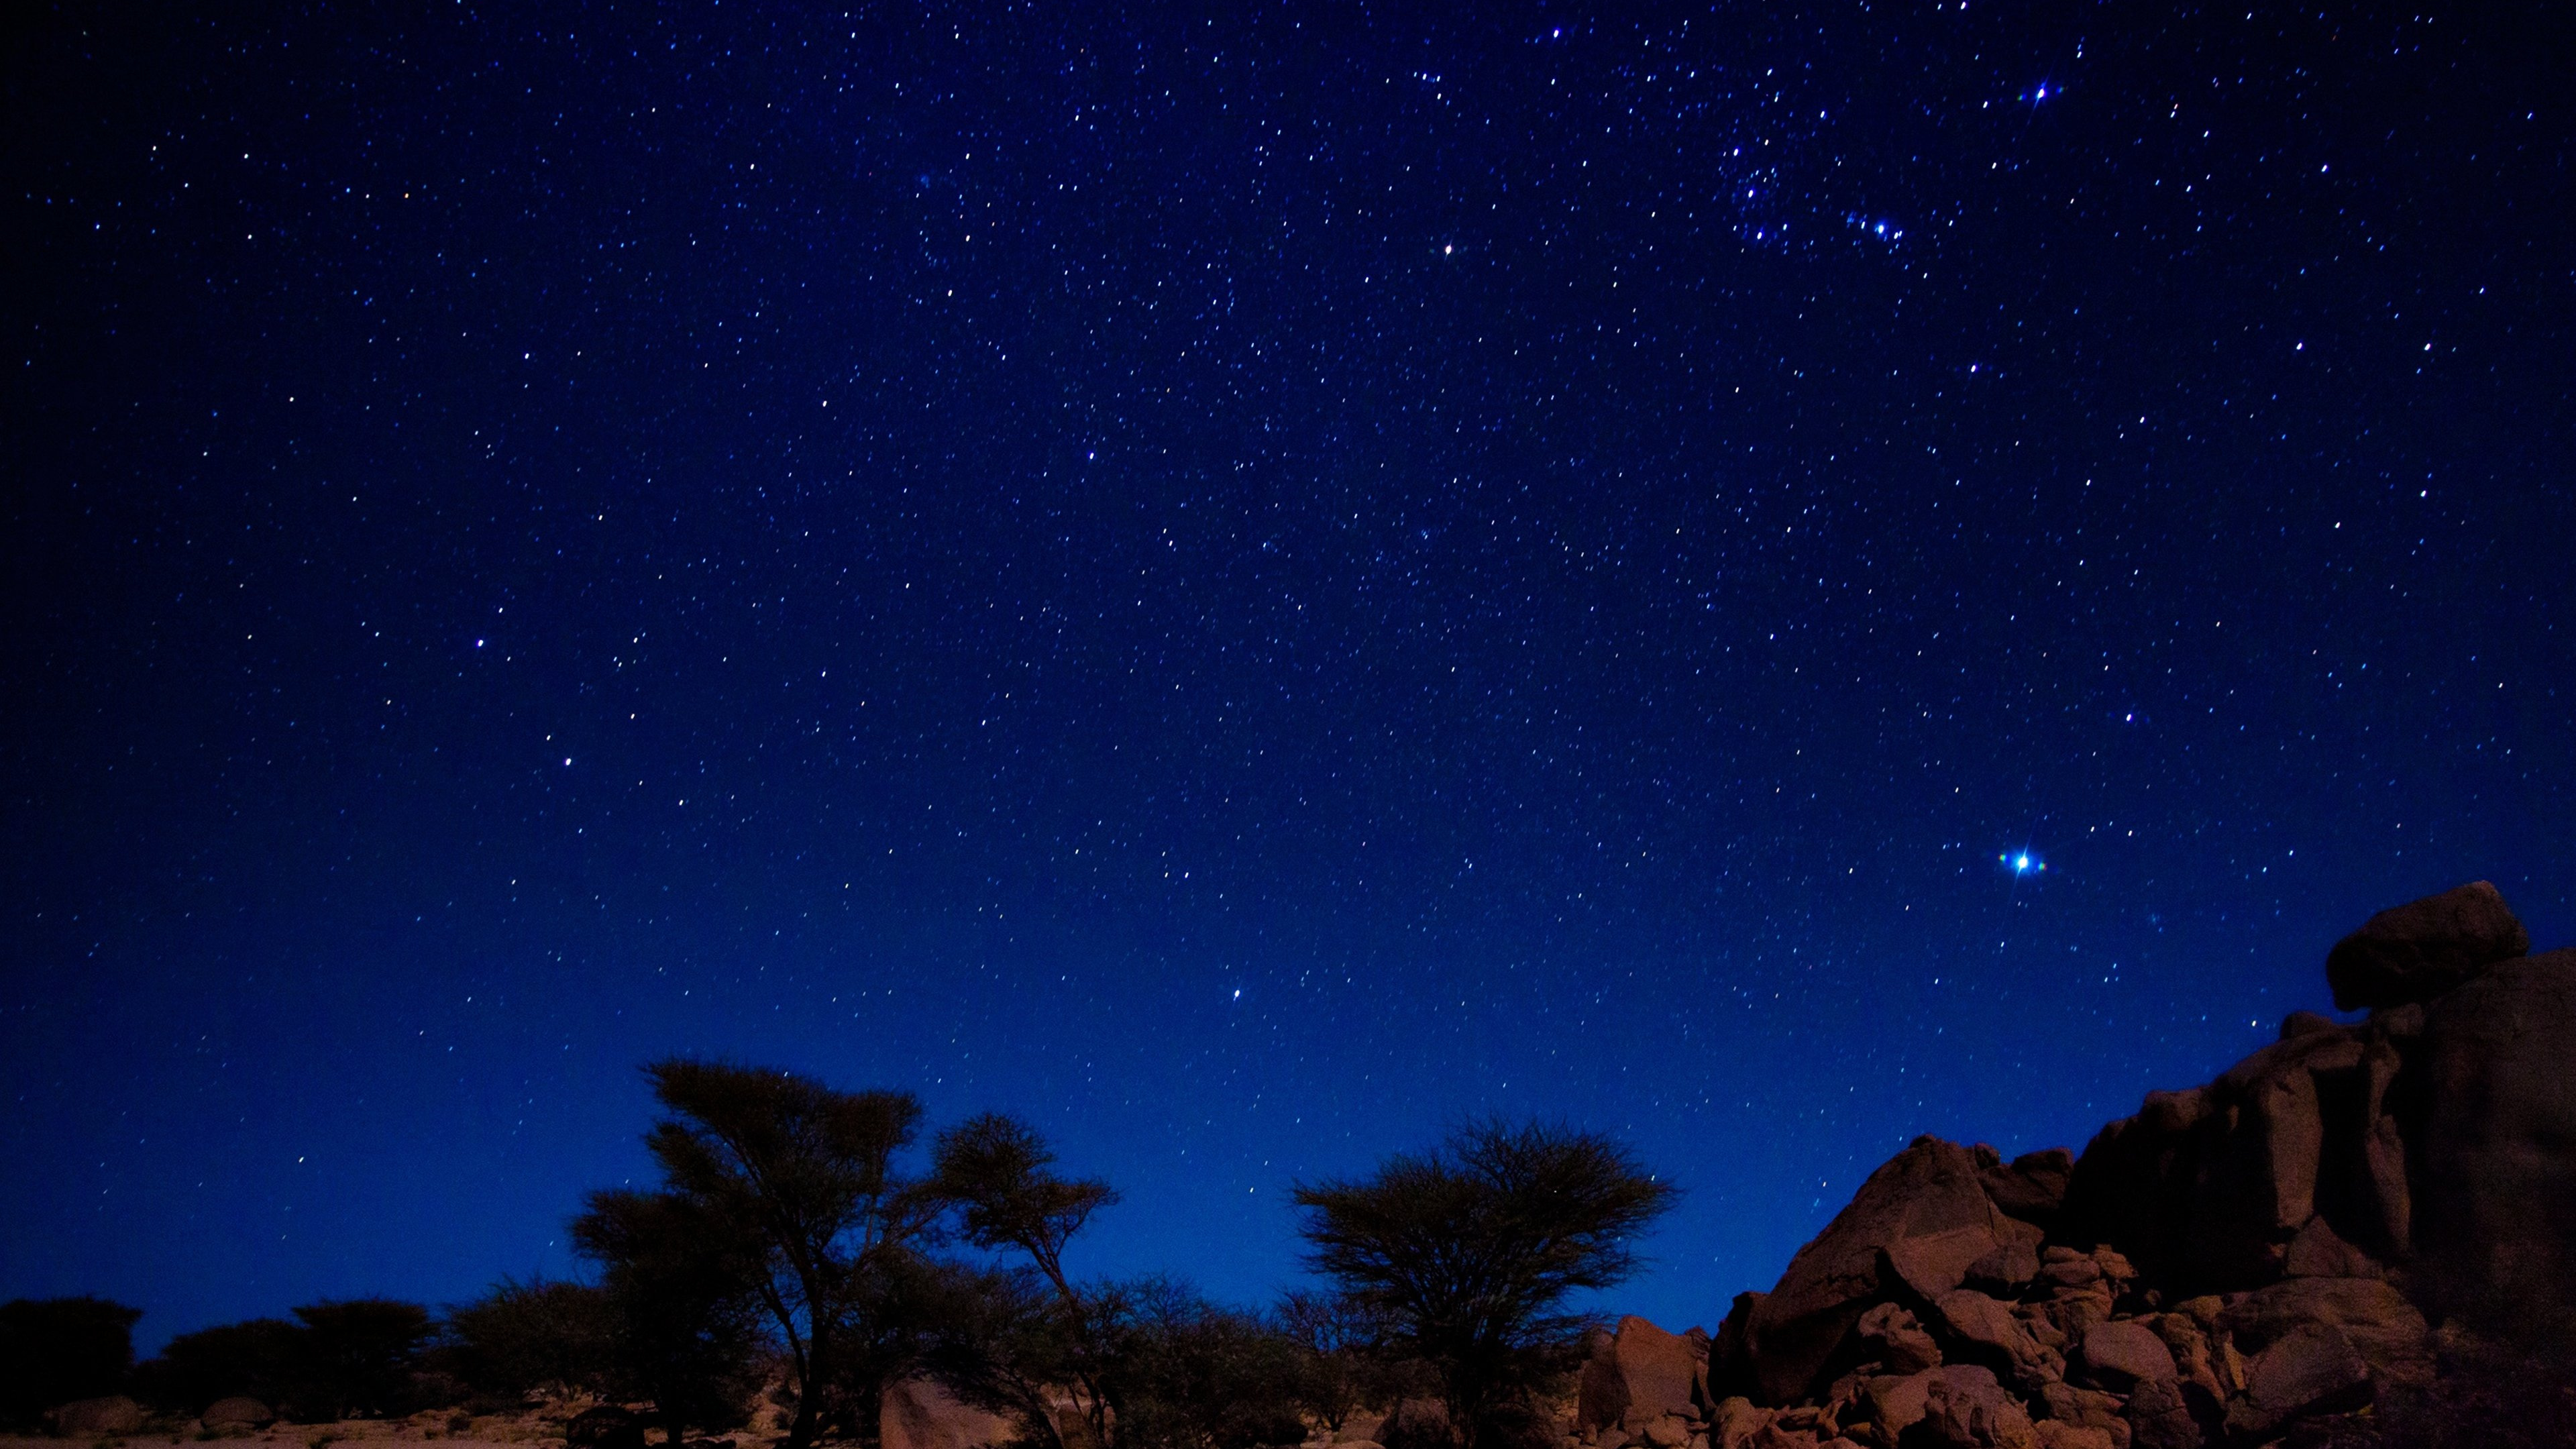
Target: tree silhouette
[
  {"x": 1000, "y": 1175},
  {"x": 540, "y": 1334},
  {"x": 358, "y": 1356},
  {"x": 1337, "y": 1343},
  {"x": 681, "y": 1289},
  {"x": 808, "y": 1176},
  {"x": 54, "y": 1350},
  {"x": 262, "y": 1357},
  {"x": 1470, "y": 1249}
]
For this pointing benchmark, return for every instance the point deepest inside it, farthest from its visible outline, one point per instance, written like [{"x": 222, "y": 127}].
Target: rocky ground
[{"x": 448, "y": 1430}]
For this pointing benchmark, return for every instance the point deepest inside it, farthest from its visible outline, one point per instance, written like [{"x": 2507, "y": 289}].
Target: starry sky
[{"x": 1246, "y": 582}]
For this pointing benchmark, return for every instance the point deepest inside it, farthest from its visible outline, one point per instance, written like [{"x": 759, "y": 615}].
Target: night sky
[{"x": 1245, "y": 584}]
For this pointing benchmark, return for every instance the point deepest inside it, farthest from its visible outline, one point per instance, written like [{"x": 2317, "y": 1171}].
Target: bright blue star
[{"x": 2022, "y": 862}]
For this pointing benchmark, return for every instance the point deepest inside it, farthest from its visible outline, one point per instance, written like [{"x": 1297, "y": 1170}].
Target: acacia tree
[
  {"x": 540, "y": 1334},
  {"x": 999, "y": 1173},
  {"x": 53, "y": 1350},
  {"x": 680, "y": 1295},
  {"x": 1336, "y": 1339},
  {"x": 1469, "y": 1250},
  {"x": 807, "y": 1176}
]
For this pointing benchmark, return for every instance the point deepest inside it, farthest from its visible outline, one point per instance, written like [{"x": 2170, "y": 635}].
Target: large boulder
[
  {"x": 2088, "y": 1408},
  {"x": 2420, "y": 950},
  {"x": 1638, "y": 1375},
  {"x": 920, "y": 1414},
  {"x": 2122, "y": 1355},
  {"x": 1896, "y": 1338},
  {"x": 2159, "y": 1418},
  {"x": 97, "y": 1418},
  {"x": 1917, "y": 1223},
  {"x": 2385, "y": 1330},
  {"x": 238, "y": 1412},
  {"x": 1963, "y": 1410},
  {"x": 2032, "y": 1187},
  {"x": 1734, "y": 1423},
  {"x": 1953, "y": 1405},
  {"x": 1983, "y": 1330},
  {"x": 2311, "y": 1369},
  {"x": 605, "y": 1427},
  {"x": 2496, "y": 1207}
]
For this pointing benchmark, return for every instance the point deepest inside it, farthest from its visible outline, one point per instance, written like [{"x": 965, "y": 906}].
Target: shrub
[
  {"x": 54, "y": 1350},
  {"x": 522, "y": 1337},
  {"x": 359, "y": 1355},
  {"x": 261, "y": 1357}
]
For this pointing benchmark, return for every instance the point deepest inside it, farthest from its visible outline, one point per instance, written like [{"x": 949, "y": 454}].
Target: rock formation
[{"x": 2233, "y": 1260}]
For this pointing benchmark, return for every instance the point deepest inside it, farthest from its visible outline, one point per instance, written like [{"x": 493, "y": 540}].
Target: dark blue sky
[{"x": 1242, "y": 584}]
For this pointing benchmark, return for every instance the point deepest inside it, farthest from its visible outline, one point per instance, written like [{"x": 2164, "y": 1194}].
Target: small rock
[
  {"x": 2059, "y": 1434},
  {"x": 1899, "y": 1339}
]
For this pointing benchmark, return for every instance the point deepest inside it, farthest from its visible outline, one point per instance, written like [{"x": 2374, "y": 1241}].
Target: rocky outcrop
[
  {"x": 2233, "y": 1260},
  {"x": 2424, "y": 949},
  {"x": 1916, "y": 1227},
  {"x": 2496, "y": 1152}
]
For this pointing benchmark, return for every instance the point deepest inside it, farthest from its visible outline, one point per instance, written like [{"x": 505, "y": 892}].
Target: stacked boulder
[
  {"x": 2231, "y": 1261},
  {"x": 1643, "y": 1387}
]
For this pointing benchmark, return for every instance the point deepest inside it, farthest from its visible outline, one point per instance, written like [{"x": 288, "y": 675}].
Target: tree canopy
[
  {"x": 1470, "y": 1250},
  {"x": 808, "y": 1177},
  {"x": 53, "y": 1350}
]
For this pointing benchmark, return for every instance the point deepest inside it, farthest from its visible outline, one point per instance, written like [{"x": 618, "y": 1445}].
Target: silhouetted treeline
[
  {"x": 808, "y": 1243},
  {"x": 53, "y": 1350}
]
